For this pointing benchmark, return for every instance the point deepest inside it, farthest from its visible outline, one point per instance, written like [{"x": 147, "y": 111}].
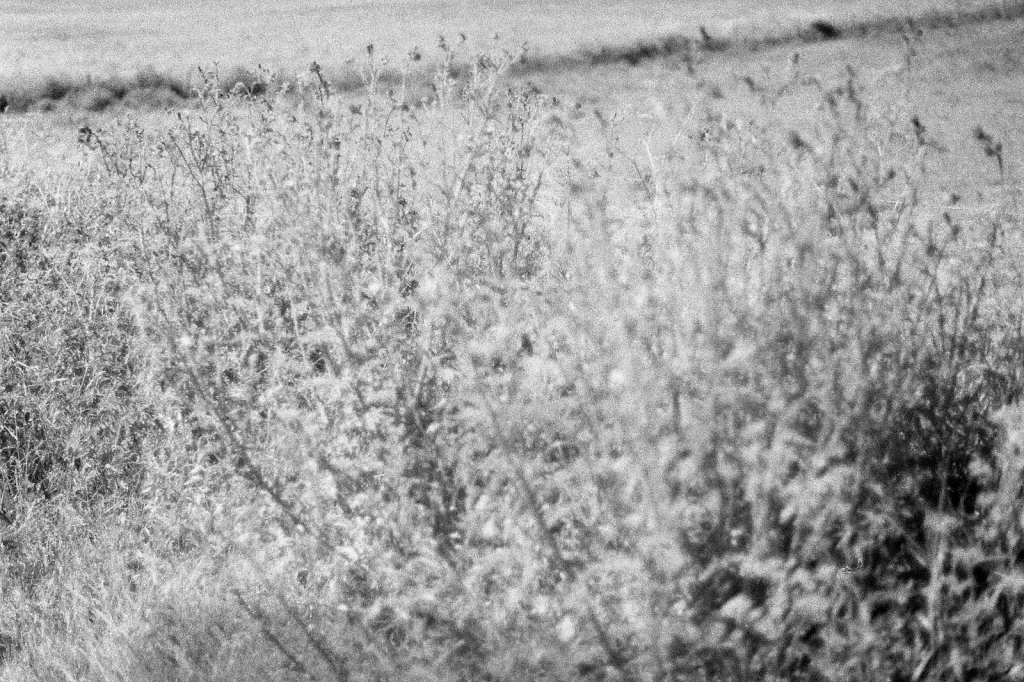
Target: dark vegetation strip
[
  {"x": 154, "y": 90},
  {"x": 147, "y": 88},
  {"x": 815, "y": 31}
]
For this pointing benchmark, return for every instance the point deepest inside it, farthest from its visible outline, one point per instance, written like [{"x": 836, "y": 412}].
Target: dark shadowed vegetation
[{"x": 147, "y": 89}]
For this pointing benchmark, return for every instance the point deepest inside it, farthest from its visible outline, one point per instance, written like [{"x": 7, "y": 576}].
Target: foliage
[{"x": 458, "y": 402}]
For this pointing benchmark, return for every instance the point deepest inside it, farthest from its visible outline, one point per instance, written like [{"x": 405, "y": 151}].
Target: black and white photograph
[{"x": 512, "y": 341}]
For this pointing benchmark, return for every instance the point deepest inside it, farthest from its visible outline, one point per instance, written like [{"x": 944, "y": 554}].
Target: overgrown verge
[{"x": 441, "y": 400}]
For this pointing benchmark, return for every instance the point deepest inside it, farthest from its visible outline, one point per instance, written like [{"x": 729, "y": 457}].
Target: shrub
[{"x": 472, "y": 407}]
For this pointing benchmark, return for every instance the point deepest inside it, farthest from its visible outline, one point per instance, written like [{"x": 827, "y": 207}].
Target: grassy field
[
  {"x": 702, "y": 366},
  {"x": 118, "y": 38}
]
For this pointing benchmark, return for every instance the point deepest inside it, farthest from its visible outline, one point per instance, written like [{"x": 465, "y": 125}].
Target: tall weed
[{"x": 461, "y": 404}]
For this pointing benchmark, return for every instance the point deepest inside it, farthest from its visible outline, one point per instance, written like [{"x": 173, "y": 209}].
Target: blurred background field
[{"x": 119, "y": 38}]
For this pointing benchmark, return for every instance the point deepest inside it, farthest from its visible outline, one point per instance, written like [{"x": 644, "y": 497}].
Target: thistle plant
[{"x": 441, "y": 397}]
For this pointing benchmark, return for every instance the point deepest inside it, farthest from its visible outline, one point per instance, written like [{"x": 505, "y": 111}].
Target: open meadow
[{"x": 686, "y": 345}]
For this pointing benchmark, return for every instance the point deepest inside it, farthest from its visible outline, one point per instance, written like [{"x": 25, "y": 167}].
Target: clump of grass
[
  {"x": 76, "y": 417},
  {"x": 73, "y": 411}
]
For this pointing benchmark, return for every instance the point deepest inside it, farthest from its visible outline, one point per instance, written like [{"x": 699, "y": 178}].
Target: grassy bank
[{"x": 322, "y": 387}]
